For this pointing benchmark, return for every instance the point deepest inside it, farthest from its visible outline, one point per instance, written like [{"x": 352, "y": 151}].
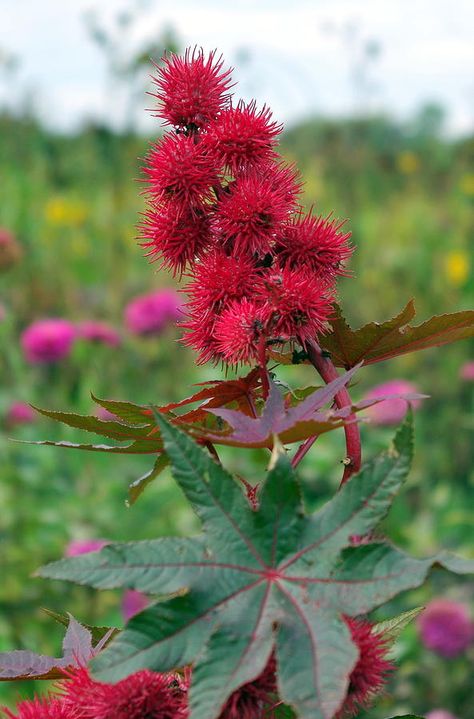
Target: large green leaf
[
  {"x": 376, "y": 342},
  {"x": 256, "y": 581}
]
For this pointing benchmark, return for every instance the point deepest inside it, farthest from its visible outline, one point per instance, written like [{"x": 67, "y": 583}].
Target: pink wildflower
[
  {"x": 440, "y": 714},
  {"x": 100, "y": 332},
  {"x": 446, "y": 628},
  {"x": 133, "y": 602},
  {"x": 20, "y": 413},
  {"x": 467, "y": 372},
  {"x": 150, "y": 314},
  {"x": 84, "y": 546},
  {"x": 47, "y": 341},
  {"x": 391, "y": 411}
]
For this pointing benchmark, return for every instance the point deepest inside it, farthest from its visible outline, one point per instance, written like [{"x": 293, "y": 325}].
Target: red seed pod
[
  {"x": 180, "y": 169},
  {"x": 317, "y": 243},
  {"x": 297, "y": 302},
  {"x": 175, "y": 235},
  {"x": 243, "y": 137},
  {"x": 239, "y": 330},
  {"x": 218, "y": 279},
  {"x": 144, "y": 694},
  {"x": 370, "y": 674},
  {"x": 250, "y": 215},
  {"x": 193, "y": 89}
]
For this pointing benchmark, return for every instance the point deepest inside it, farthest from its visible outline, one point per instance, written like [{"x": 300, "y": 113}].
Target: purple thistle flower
[
  {"x": 149, "y": 314},
  {"x": 446, "y": 628},
  {"x": 100, "y": 332},
  {"x": 84, "y": 546},
  {"x": 467, "y": 372},
  {"x": 47, "y": 341},
  {"x": 133, "y": 602},
  {"x": 391, "y": 411},
  {"x": 20, "y": 413}
]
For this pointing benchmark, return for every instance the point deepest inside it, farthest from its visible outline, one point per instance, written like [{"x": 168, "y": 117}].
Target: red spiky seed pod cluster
[
  {"x": 370, "y": 674},
  {"x": 223, "y": 209}
]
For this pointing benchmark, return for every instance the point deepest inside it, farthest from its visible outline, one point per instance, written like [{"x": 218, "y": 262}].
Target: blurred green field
[{"x": 73, "y": 202}]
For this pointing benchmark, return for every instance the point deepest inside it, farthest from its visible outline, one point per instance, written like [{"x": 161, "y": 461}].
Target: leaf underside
[{"x": 77, "y": 648}]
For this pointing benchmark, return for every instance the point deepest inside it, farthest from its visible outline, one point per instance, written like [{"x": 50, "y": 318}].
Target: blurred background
[{"x": 378, "y": 102}]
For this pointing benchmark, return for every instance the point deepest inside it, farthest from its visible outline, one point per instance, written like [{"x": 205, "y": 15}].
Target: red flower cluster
[{"x": 223, "y": 206}]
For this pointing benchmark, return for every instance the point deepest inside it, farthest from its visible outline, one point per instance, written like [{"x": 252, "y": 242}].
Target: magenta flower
[
  {"x": 440, "y": 714},
  {"x": 446, "y": 628},
  {"x": 100, "y": 332},
  {"x": 467, "y": 372},
  {"x": 391, "y": 411},
  {"x": 20, "y": 413},
  {"x": 84, "y": 546},
  {"x": 133, "y": 602},
  {"x": 150, "y": 314},
  {"x": 47, "y": 341}
]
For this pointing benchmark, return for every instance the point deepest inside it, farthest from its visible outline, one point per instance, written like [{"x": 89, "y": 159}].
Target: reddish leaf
[
  {"x": 376, "y": 342},
  {"x": 21, "y": 664}
]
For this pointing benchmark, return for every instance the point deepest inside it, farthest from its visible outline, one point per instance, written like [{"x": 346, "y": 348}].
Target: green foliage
[
  {"x": 406, "y": 226},
  {"x": 254, "y": 572}
]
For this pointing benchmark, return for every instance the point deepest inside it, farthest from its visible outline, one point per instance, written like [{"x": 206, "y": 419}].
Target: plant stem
[
  {"x": 328, "y": 372},
  {"x": 302, "y": 450}
]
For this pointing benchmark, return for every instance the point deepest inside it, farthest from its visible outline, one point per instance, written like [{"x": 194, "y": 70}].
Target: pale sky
[{"x": 301, "y": 54}]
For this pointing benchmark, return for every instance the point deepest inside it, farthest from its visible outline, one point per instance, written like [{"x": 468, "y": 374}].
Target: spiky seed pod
[
  {"x": 250, "y": 215},
  {"x": 218, "y": 279},
  {"x": 239, "y": 330},
  {"x": 193, "y": 89},
  {"x": 317, "y": 243},
  {"x": 144, "y": 694},
  {"x": 370, "y": 674},
  {"x": 297, "y": 303},
  {"x": 180, "y": 169},
  {"x": 175, "y": 235},
  {"x": 242, "y": 137}
]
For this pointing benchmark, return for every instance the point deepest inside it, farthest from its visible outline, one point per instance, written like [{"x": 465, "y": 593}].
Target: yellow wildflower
[
  {"x": 466, "y": 184},
  {"x": 408, "y": 162},
  {"x": 456, "y": 267},
  {"x": 60, "y": 211}
]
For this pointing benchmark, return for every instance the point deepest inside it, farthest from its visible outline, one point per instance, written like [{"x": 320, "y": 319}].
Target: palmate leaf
[
  {"x": 256, "y": 581},
  {"x": 376, "y": 342},
  {"x": 293, "y": 423}
]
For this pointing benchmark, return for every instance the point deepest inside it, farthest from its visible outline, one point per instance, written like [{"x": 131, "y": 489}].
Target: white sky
[{"x": 301, "y": 53}]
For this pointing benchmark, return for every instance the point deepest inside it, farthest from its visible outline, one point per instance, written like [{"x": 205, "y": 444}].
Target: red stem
[
  {"x": 302, "y": 450},
  {"x": 342, "y": 399}
]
